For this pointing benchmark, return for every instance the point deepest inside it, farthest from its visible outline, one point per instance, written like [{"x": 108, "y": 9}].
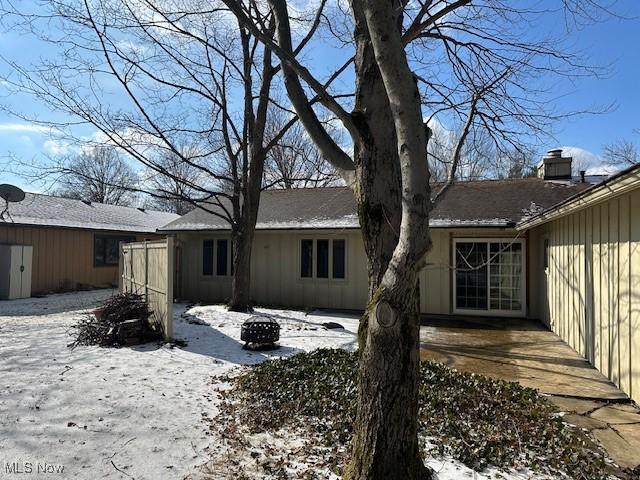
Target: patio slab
[
  {"x": 516, "y": 350},
  {"x": 527, "y": 352}
]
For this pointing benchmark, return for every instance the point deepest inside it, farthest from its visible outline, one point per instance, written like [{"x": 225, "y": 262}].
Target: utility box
[{"x": 15, "y": 271}]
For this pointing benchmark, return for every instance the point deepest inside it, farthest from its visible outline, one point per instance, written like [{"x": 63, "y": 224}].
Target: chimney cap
[{"x": 554, "y": 153}]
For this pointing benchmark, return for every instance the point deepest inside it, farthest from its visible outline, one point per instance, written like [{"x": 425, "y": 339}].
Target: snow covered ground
[
  {"x": 141, "y": 412},
  {"x": 95, "y": 410}
]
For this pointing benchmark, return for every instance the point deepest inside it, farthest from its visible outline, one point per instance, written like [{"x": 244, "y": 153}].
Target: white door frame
[{"x": 523, "y": 280}]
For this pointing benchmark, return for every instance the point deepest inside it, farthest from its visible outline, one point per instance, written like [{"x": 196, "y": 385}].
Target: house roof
[
  {"x": 46, "y": 210},
  {"x": 618, "y": 184},
  {"x": 487, "y": 203}
]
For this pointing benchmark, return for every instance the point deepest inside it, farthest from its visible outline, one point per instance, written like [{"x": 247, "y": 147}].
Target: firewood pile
[{"x": 121, "y": 320}]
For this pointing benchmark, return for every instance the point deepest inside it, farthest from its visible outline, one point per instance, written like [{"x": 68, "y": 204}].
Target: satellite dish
[{"x": 10, "y": 194}]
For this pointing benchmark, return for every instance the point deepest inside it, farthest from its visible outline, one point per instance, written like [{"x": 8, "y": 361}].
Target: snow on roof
[
  {"x": 486, "y": 203},
  {"x": 46, "y": 210}
]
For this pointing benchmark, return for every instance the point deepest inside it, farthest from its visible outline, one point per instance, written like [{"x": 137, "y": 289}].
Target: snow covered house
[
  {"x": 75, "y": 243},
  {"x": 555, "y": 248}
]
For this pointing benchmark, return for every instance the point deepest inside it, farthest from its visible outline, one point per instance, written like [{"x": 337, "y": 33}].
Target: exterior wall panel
[
  {"x": 62, "y": 258},
  {"x": 592, "y": 285},
  {"x": 634, "y": 294},
  {"x": 275, "y": 277}
]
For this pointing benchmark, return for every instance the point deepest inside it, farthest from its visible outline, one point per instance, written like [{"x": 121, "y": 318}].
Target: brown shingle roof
[{"x": 487, "y": 203}]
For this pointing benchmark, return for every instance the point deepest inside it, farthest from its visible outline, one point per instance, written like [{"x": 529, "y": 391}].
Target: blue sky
[{"x": 615, "y": 42}]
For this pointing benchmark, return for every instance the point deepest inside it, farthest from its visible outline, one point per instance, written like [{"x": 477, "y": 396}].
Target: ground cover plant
[{"x": 479, "y": 421}]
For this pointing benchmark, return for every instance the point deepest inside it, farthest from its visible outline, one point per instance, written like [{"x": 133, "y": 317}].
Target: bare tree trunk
[
  {"x": 242, "y": 243},
  {"x": 390, "y": 180},
  {"x": 242, "y": 236},
  {"x": 385, "y": 444}
]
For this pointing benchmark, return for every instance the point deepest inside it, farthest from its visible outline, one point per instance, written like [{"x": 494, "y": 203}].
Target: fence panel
[{"x": 146, "y": 268}]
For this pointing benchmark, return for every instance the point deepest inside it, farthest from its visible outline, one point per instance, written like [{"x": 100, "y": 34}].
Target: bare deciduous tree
[
  {"x": 96, "y": 174},
  {"x": 152, "y": 76},
  {"x": 477, "y": 62},
  {"x": 621, "y": 153},
  {"x": 473, "y": 60},
  {"x": 296, "y": 162},
  {"x": 170, "y": 193}
]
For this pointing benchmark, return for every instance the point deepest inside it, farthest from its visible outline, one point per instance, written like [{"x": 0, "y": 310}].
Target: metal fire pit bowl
[{"x": 260, "y": 332}]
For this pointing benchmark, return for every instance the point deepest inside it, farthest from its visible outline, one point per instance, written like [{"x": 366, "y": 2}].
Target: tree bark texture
[
  {"x": 385, "y": 444},
  {"x": 390, "y": 181},
  {"x": 242, "y": 243}
]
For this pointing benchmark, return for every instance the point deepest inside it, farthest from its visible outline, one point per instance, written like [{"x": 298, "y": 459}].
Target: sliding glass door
[{"x": 489, "y": 276}]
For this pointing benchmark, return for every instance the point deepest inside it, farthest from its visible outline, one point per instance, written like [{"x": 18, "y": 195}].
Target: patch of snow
[
  {"x": 40, "y": 209},
  {"x": 346, "y": 221},
  {"x": 450, "y": 469},
  {"x": 531, "y": 211},
  {"x": 476, "y": 222},
  {"x": 143, "y": 408},
  {"x": 144, "y": 412}
]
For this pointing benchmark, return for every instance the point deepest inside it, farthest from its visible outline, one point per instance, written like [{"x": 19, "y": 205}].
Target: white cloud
[
  {"x": 590, "y": 162},
  {"x": 24, "y": 127},
  {"x": 56, "y": 147}
]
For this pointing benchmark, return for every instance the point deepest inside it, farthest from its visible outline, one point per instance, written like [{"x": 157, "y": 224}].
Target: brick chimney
[{"x": 554, "y": 166}]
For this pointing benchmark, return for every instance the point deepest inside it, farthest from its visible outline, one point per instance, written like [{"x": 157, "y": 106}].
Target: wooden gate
[{"x": 146, "y": 268}]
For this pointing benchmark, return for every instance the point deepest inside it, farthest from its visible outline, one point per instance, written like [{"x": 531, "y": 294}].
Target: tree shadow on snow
[{"x": 204, "y": 339}]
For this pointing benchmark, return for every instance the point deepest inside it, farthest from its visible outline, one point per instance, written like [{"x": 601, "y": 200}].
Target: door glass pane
[
  {"x": 322, "y": 259},
  {"x": 505, "y": 280},
  {"x": 306, "y": 258},
  {"x": 471, "y": 275}
]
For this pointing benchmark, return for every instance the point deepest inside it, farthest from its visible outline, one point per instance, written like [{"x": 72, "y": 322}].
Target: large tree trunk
[
  {"x": 385, "y": 444},
  {"x": 391, "y": 186}
]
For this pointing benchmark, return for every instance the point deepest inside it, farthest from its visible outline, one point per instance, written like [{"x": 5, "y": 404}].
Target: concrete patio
[{"x": 527, "y": 352}]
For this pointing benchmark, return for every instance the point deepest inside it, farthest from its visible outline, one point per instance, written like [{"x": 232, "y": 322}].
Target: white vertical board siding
[
  {"x": 592, "y": 286},
  {"x": 275, "y": 271},
  {"x": 634, "y": 294},
  {"x": 275, "y": 278}
]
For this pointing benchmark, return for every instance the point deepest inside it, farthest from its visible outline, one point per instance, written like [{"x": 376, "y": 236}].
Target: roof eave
[
  {"x": 452, "y": 225},
  {"x": 106, "y": 228},
  {"x": 616, "y": 185}
]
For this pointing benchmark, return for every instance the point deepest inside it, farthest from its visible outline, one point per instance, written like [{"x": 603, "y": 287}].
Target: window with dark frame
[
  {"x": 322, "y": 258},
  {"x": 207, "y": 257},
  {"x": 222, "y": 257},
  {"x": 106, "y": 249},
  {"x": 329, "y": 259},
  {"x": 306, "y": 258},
  {"x": 338, "y": 259}
]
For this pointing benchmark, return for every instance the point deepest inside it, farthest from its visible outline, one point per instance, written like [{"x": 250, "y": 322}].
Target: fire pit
[{"x": 260, "y": 332}]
